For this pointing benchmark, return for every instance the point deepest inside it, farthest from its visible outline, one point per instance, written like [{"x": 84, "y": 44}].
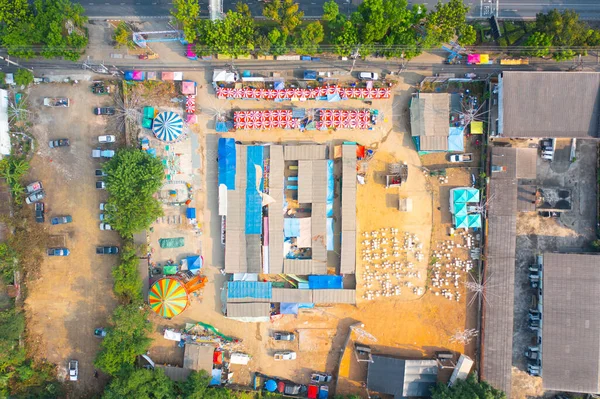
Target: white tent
[
  {"x": 4, "y": 136},
  {"x": 224, "y": 76}
]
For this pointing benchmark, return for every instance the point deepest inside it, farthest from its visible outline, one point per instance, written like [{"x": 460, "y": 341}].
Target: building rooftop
[
  {"x": 402, "y": 378},
  {"x": 430, "y": 120},
  {"x": 571, "y": 322},
  {"x": 549, "y": 104}
]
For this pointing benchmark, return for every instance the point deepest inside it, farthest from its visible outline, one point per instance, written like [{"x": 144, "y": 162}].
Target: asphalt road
[{"x": 514, "y": 9}]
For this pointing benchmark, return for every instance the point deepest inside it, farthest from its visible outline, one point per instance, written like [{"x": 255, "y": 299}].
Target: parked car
[
  {"x": 319, "y": 378},
  {"x": 58, "y": 252},
  {"x": 104, "y": 111},
  {"x": 97, "y": 153},
  {"x": 283, "y": 336},
  {"x": 284, "y": 355},
  {"x": 461, "y": 158},
  {"x": 109, "y": 138},
  {"x": 323, "y": 392},
  {"x": 33, "y": 187},
  {"x": 105, "y": 226},
  {"x": 73, "y": 370},
  {"x": 35, "y": 197},
  {"x": 368, "y": 76},
  {"x": 56, "y": 102},
  {"x": 102, "y": 217},
  {"x": 290, "y": 388},
  {"x": 100, "y": 173},
  {"x": 100, "y": 332},
  {"x": 39, "y": 212},
  {"x": 101, "y": 185},
  {"x": 110, "y": 250},
  {"x": 59, "y": 143},
  {"x": 61, "y": 219}
]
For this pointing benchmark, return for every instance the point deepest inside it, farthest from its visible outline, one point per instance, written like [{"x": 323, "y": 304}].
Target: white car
[
  {"x": 105, "y": 226},
  {"x": 73, "y": 370},
  {"x": 284, "y": 355},
  {"x": 368, "y": 76},
  {"x": 109, "y": 138}
]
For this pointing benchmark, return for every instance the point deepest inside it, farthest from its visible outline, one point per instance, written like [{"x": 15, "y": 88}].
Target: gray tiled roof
[
  {"x": 550, "y": 104},
  {"x": 334, "y": 296},
  {"x": 291, "y": 295},
  {"x": 571, "y": 322}
]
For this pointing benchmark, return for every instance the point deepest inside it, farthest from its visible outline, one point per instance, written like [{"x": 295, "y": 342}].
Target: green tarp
[
  {"x": 149, "y": 112},
  {"x": 176, "y": 242},
  {"x": 168, "y": 270}
]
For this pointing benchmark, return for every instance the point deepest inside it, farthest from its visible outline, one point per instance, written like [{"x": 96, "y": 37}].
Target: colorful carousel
[
  {"x": 167, "y": 126},
  {"x": 168, "y": 297}
]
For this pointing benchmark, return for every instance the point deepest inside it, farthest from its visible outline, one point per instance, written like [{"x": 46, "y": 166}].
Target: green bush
[{"x": 128, "y": 285}]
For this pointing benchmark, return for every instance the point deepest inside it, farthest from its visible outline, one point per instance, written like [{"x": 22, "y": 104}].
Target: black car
[
  {"x": 100, "y": 173},
  {"x": 107, "y": 250},
  {"x": 39, "y": 212},
  {"x": 104, "y": 111},
  {"x": 59, "y": 143}
]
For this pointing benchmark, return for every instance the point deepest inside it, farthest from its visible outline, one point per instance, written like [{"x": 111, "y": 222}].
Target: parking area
[
  {"x": 570, "y": 231},
  {"x": 73, "y": 294}
]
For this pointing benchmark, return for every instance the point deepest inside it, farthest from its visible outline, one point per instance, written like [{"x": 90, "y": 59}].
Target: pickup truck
[
  {"x": 56, "y": 102},
  {"x": 101, "y": 185},
  {"x": 284, "y": 355},
  {"x": 35, "y": 197},
  {"x": 461, "y": 158},
  {"x": 61, "y": 220},
  {"x": 59, "y": 143},
  {"x": 110, "y": 250},
  {"x": 73, "y": 370},
  {"x": 100, "y": 173},
  {"x": 317, "y": 378},
  {"x": 58, "y": 252},
  {"x": 108, "y": 138},
  {"x": 39, "y": 212},
  {"x": 33, "y": 187},
  {"x": 283, "y": 336},
  {"x": 104, "y": 111},
  {"x": 97, "y": 153}
]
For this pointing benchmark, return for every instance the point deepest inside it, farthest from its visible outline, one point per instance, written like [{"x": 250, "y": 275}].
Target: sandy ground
[
  {"x": 406, "y": 325},
  {"x": 73, "y": 295}
]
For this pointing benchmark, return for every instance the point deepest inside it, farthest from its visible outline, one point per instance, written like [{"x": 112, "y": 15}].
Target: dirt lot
[
  {"x": 405, "y": 325},
  {"x": 73, "y": 295}
]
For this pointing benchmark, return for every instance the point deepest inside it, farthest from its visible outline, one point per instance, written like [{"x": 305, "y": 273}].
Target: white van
[{"x": 368, "y": 76}]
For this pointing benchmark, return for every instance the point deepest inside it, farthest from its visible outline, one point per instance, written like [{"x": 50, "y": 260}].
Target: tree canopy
[
  {"x": 186, "y": 12},
  {"x": 126, "y": 338},
  {"x": 133, "y": 177},
  {"x": 128, "y": 285},
  {"x": 285, "y": 13},
  {"x": 467, "y": 389},
  {"x": 55, "y": 25},
  {"x": 140, "y": 384}
]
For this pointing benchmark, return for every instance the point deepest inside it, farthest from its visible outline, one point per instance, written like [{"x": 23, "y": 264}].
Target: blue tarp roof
[
  {"x": 466, "y": 194},
  {"x": 279, "y": 85},
  {"x": 190, "y": 213},
  {"x": 194, "y": 263},
  {"x": 291, "y": 227},
  {"x": 288, "y": 308},
  {"x": 330, "y": 188},
  {"x": 325, "y": 282},
  {"x": 253, "y": 197},
  {"x": 128, "y": 75},
  {"x": 221, "y": 127},
  {"x": 249, "y": 289},
  {"x": 310, "y": 74},
  {"x": 227, "y": 163},
  {"x": 333, "y": 98},
  {"x": 474, "y": 220}
]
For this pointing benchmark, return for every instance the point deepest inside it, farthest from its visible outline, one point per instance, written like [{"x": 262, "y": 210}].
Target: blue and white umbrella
[{"x": 167, "y": 126}]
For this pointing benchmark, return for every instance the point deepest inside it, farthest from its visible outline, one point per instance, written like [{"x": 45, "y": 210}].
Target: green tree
[
  {"x": 14, "y": 11},
  {"x": 262, "y": 45},
  {"x": 128, "y": 285},
  {"x": 467, "y": 389},
  {"x": 196, "y": 386},
  {"x": 467, "y": 36},
  {"x": 140, "y": 384},
  {"x": 186, "y": 12},
  {"x": 345, "y": 39},
  {"x": 448, "y": 21},
  {"x": 126, "y": 338},
  {"x": 133, "y": 177},
  {"x": 285, "y": 13},
  {"x": 538, "y": 44},
  {"x": 122, "y": 36},
  {"x": 309, "y": 38},
  {"x": 23, "y": 77},
  {"x": 563, "y": 55},
  {"x": 371, "y": 20},
  {"x": 330, "y": 10},
  {"x": 278, "y": 41},
  {"x": 563, "y": 27}
]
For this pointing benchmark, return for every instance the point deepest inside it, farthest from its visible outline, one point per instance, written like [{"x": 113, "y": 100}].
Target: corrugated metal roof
[
  {"x": 571, "y": 322},
  {"x": 527, "y": 163},
  {"x": 433, "y": 143},
  {"x": 175, "y": 373},
  {"x": 319, "y": 181},
  {"x": 253, "y": 253},
  {"x": 348, "y": 253},
  {"x": 305, "y": 182},
  {"x": 401, "y": 378},
  {"x": 235, "y": 239},
  {"x": 430, "y": 117},
  {"x": 249, "y": 291},
  {"x": 292, "y": 295},
  {"x": 305, "y": 152},
  {"x": 248, "y": 309},
  {"x": 334, "y": 296},
  {"x": 198, "y": 357},
  {"x": 297, "y": 266},
  {"x": 275, "y": 210},
  {"x": 502, "y": 200},
  {"x": 504, "y": 157},
  {"x": 550, "y": 104}
]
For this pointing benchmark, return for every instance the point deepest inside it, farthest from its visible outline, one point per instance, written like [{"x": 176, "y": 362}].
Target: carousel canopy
[
  {"x": 168, "y": 297},
  {"x": 167, "y": 126}
]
